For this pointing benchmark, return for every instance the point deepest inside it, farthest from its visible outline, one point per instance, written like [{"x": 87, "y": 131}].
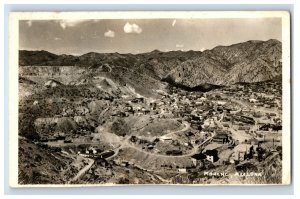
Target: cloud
[
  {"x": 110, "y": 34},
  {"x": 29, "y": 23},
  {"x": 174, "y": 22},
  {"x": 179, "y": 45},
  {"x": 71, "y": 22},
  {"x": 57, "y": 38},
  {"x": 132, "y": 28}
]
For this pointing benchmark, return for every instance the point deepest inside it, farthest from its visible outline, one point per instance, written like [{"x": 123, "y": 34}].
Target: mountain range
[{"x": 251, "y": 61}]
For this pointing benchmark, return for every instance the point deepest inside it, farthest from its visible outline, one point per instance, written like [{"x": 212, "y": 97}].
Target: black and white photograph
[{"x": 124, "y": 98}]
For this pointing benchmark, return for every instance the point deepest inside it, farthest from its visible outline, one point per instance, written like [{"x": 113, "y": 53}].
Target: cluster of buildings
[{"x": 211, "y": 118}]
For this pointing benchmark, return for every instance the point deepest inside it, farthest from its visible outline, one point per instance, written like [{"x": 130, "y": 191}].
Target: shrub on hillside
[{"x": 120, "y": 127}]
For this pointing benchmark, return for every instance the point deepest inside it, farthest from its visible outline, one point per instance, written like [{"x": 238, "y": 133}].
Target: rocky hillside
[
  {"x": 42, "y": 165},
  {"x": 251, "y": 61}
]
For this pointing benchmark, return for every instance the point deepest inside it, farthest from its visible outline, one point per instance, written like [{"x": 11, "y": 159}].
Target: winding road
[
  {"x": 185, "y": 128},
  {"x": 126, "y": 144},
  {"x": 244, "y": 104},
  {"x": 83, "y": 170}
]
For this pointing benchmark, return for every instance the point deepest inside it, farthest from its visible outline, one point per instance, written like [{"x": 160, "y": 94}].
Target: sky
[{"x": 78, "y": 37}]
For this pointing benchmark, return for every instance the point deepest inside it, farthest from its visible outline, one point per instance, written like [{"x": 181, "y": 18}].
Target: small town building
[
  {"x": 138, "y": 100},
  {"x": 52, "y": 83},
  {"x": 212, "y": 155},
  {"x": 221, "y": 138},
  {"x": 183, "y": 170},
  {"x": 252, "y": 100}
]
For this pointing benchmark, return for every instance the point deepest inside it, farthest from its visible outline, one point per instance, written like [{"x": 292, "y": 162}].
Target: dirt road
[
  {"x": 83, "y": 170},
  {"x": 246, "y": 105},
  {"x": 185, "y": 128},
  {"x": 126, "y": 143}
]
